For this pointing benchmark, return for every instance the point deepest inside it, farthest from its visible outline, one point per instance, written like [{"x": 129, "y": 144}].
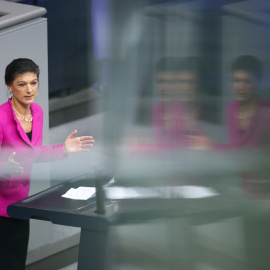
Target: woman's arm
[
  {"x": 72, "y": 144},
  {"x": 77, "y": 144}
]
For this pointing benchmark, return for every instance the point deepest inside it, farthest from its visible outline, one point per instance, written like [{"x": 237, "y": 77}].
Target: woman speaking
[{"x": 21, "y": 125}]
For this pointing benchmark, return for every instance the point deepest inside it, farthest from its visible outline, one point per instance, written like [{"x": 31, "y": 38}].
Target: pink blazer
[
  {"x": 14, "y": 139},
  {"x": 174, "y": 134},
  {"x": 257, "y": 133}
]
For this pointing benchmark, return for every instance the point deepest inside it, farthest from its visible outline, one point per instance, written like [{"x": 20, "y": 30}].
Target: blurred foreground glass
[{"x": 154, "y": 118}]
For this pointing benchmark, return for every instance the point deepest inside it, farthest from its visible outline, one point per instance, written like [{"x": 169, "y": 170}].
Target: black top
[{"x": 29, "y": 135}]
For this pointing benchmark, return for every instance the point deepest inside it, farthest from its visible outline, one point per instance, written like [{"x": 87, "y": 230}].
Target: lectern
[{"x": 50, "y": 205}]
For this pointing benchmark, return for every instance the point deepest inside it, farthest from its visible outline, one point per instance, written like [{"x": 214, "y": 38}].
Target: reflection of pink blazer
[
  {"x": 175, "y": 134},
  {"x": 14, "y": 139},
  {"x": 258, "y": 132},
  {"x": 257, "y": 135}
]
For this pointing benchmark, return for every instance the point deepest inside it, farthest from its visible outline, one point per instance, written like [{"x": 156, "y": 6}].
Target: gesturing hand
[
  {"x": 12, "y": 167},
  {"x": 77, "y": 144},
  {"x": 199, "y": 142}
]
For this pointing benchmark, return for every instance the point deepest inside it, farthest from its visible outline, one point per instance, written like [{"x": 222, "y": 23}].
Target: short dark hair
[
  {"x": 168, "y": 64},
  {"x": 249, "y": 64},
  {"x": 20, "y": 66},
  {"x": 180, "y": 64}
]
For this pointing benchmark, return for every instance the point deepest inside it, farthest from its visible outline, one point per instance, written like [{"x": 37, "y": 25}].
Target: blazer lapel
[
  {"x": 235, "y": 128},
  {"x": 36, "y": 125},
  {"x": 19, "y": 127},
  {"x": 258, "y": 123}
]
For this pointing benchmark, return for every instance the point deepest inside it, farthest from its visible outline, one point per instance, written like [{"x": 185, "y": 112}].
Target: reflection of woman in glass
[
  {"x": 248, "y": 120},
  {"x": 248, "y": 116},
  {"x": 175, "y": 115},
  {"x": 21, "y": 124}
]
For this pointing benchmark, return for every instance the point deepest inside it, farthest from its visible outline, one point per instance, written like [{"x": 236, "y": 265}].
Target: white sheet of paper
[
  {"x": 119, "y": 193},
  {"x": 196, "y": 192},
  {"x": 185, "y": 192},
  {"x": 80, "y": 193},
  {"x": 188, "y": 192}
]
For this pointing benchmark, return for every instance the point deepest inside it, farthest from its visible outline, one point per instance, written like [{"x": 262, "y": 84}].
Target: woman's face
[
  {"x": 188, "y": 86},
  {"x": 181, "y": 85},
  {"x": 244, "y": 85},
  {"x": 24, "y": 88}
]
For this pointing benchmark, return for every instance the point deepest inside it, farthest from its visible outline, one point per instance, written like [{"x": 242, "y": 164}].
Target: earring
[{"x": 10, "y": 94}]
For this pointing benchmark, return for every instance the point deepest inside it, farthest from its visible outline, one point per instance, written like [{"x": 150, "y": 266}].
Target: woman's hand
[
  {"x": 12, "y": 167},
  {"x": 199, "y": 142},
  {"x": 77, "y": 144}
]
